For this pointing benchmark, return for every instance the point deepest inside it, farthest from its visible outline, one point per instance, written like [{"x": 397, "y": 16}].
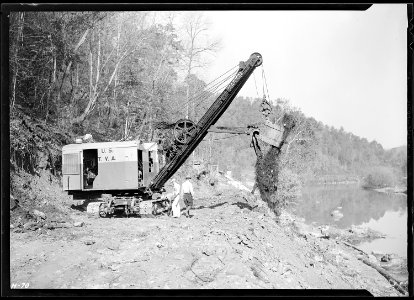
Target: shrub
[{"x": 379, "y": 177}]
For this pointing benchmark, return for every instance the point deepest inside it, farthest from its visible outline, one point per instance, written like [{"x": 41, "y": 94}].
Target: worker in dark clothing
[{"x": 90, "y": 176}]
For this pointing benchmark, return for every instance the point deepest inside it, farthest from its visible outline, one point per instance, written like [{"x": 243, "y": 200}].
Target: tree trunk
[
  {"x": 67, "y": 69},
  {"x": 96, "y": 95},
  {"x": 126, "y": 128},
  {"x": 114, "y": 94},
  {"x": 51, "y": 87},
  {"x": 387, "y": 276},
  {"x": 90, "y": 74},
  {"x": 151, "y": 113},
  {"x": 19, "y": 37}
]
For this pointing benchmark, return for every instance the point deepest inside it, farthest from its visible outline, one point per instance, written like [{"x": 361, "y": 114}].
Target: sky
[{"x": 343, "y": 68}]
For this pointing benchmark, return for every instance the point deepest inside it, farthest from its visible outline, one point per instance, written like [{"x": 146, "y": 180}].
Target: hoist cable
[
  {"x": 178, "y": 107},
  {"x": 227, "y": 137},
  {"x": 218, "y": 87},
  {"x": 205, "y": 90},
  {"x": 208, "y": 94},
  {"x": 265, "y": 82},
  {"x": 206, "y": 97},
  {"x": 255, "y": 84},
  {"x": 214, "y": 88}
]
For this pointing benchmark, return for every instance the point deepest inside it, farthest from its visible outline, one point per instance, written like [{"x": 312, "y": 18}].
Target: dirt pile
[
  {"x": 268, "y": 168},
  {"x": 37, "y": 201},
  {"x": 36, "y": 195}
]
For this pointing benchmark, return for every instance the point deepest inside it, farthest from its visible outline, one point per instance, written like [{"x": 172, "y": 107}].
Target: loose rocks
[
  {"x": 39, "y": 214},
  {"x": 78, "y": 224}
]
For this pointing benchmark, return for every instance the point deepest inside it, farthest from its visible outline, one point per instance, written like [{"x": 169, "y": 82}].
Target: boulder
[
  {"x": 29, "y": 225},
  {"x": 39, "y": 214},
  {"x": 32, "y": 225},
  {"x": 337, "y": 215},
  {"x": 372, "y": 259},
  {"x": 318, "y": 258},
  {"x": 78, "y": 224},
  {"x": 386, "y": 258}
]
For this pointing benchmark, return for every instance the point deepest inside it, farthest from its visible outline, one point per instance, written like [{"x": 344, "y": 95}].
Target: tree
[
  {"x": 43, "y": 47},
  {"x": 99, "y": 84},
  {"x": 379, "y": 177},
  {"x": 196, "y": 45}
]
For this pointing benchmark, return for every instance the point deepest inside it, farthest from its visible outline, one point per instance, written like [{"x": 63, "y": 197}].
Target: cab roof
[{"x": 126, "y": 144}]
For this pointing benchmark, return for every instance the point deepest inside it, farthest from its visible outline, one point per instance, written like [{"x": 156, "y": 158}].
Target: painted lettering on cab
[{"x": 105, "y": 150}]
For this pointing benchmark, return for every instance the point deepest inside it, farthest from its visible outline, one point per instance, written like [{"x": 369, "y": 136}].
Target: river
[{"x": 345, "y": 205}]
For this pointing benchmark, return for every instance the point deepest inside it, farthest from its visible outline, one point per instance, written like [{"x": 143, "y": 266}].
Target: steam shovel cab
[{"x": 122, "y": 170}]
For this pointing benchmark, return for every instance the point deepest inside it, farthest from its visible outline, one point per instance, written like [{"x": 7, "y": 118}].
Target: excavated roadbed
[{"x": 231, "y": 242}]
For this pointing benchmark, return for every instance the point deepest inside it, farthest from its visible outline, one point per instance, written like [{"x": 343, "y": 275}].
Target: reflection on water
[
  {"x": 386, "y": 213},
  {"x": 394, "y": 225}
]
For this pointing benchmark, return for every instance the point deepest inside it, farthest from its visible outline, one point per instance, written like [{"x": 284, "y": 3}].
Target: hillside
[{"x": 318, "y": 151}]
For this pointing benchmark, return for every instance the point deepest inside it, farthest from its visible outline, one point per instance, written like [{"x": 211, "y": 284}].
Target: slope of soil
[
  {"x": 35, "y": 168},
  {"x": 232, "y": 241},
  {"x": 42, "y": 193}
]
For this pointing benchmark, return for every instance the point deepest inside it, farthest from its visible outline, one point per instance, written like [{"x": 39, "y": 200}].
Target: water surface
[{"x": 346, "y": 205}]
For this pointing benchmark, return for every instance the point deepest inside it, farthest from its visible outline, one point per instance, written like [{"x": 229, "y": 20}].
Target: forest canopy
[{"x": 116, "y": 74}]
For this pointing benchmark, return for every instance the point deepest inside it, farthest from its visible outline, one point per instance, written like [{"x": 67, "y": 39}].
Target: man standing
[{"x": 188, "y": 194}]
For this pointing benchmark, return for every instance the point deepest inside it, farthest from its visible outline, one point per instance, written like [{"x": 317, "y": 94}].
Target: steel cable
[
  {"x": 218, "y": 87},
  {"x": 205, "y": 90},
  {"x": 211, "y": 90}
]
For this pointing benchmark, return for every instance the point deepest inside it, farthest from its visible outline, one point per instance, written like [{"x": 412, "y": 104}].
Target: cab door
[
  {"x": 72, "y": 171},
  {"x": 140, "y": 169},
  {"x": 149, "y": 168}
]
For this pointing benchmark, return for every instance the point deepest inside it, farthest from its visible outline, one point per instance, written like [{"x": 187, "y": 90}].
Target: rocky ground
[{"x": 232, "y": 241}]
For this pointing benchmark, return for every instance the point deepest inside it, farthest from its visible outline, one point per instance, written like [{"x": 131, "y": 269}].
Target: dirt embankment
[{"x": 233, "y": 241}]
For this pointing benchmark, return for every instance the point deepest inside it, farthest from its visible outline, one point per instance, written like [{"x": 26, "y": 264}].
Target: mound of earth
[
  {"x": 233, "y": 241},
  {"x": 35, "y": 166}
]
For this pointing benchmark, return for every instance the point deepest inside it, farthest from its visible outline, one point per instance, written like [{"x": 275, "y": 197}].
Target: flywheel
[{"x": 183, "y": 130}]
